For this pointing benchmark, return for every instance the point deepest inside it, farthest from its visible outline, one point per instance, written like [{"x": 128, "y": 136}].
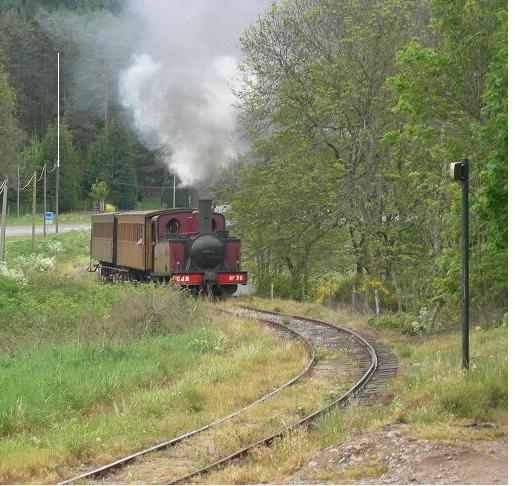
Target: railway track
[{"x": 341, "y": 364}]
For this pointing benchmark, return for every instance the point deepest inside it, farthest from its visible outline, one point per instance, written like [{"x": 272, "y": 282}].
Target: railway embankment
[{"x": 432, "y": 424}]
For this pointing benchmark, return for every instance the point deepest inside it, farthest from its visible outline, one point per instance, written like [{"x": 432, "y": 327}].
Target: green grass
[
  {"x": 436, "y": 389},
  {"x": 59, "y": 382},
  {"x": 87, "y": 404},
  {"x": 89, "y": 372},
  {"x": 64, "y": 218},
  {"x": 149, "y": 203},
  {"x": 75, "y": 244}
]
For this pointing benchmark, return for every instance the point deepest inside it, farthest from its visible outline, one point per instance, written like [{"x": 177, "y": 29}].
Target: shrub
[
  {"x": 34, "y": 263},
  {"x": 14, "y": 276},
  {"x": 25, "y": 266},
  {"x": 406, "y": 323},
  {"x": 68, "y": 245},
  {"x": 8, "y": 285},
  {"x": 285, "y": 287},
  {"x": 325, "y": 293},
  {"x": 52, "y": 247},
  {"x": 338, "y": 289}
]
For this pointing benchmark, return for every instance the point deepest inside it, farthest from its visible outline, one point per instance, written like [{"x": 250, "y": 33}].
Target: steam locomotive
[{"x": 188, "y": 247}]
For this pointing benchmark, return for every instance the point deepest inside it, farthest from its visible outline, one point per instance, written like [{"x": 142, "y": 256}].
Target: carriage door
[{"x": 150, "y": 250}]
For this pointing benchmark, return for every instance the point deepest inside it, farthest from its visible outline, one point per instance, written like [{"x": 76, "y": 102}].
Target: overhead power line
[
  {"x": 114, "y": 182},
  {"x": 109, "y": 180},
  {"x": 27, "y": 185},
  {"x": 42, "y": 172}
]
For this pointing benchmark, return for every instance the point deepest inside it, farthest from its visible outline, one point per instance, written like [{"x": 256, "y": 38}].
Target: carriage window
[{"x": 173, "y": 226}]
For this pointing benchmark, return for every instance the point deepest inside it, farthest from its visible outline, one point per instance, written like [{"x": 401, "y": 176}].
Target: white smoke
[{"x": 178, "y": 86}]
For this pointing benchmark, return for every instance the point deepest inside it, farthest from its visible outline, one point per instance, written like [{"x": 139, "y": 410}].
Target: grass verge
[{"x": 64, "y": 218}]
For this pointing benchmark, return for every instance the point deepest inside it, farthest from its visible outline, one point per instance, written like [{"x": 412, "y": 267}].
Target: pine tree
[
  {"x": 111, "y": 158},
  {"x": 10, "y": 134},
  {"x": 31, "y": 62},
  {"x": 42, "y": 152}
]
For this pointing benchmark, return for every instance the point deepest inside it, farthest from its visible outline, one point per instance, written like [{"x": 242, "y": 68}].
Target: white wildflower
[
  {"x": 34, "y": 263},
  {"x": 13, "y": 273},
  {"x": 49, "y": 247}
]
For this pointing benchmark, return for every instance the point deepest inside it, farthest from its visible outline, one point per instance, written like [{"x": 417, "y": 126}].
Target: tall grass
[
  {"x": 56, "y": 382},
  {"x": 437, "y": 388},
  {"x": 91, "y": 371},
  {"x": 66, "y": 305},
  {"x": 67, "y": 345},
  {"x": 69, "y": 308},
  {"x": 94, "y": 400},
  {"x": 73, "y": 245}
]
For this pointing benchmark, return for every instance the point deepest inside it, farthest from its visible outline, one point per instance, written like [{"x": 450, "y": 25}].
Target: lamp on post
[{"x": 459, "y": 172}]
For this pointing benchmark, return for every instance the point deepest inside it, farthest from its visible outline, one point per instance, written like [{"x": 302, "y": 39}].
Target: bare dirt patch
[{"x": 394, "y": 455}]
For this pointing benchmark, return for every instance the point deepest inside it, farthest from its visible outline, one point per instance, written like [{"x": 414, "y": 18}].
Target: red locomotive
[{"x": 188, "y": 247}]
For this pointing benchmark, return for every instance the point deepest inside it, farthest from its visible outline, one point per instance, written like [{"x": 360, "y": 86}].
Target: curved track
[
  {"x": 347, "y": 365},
  {"x": 108, "y": 468}
]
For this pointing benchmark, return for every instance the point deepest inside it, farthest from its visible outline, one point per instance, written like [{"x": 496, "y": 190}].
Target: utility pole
[
  {"x": 58, "y": 145},
  {"x": 106, "y": 92},
  {"x": 460, "y": 173},
  {"x": 34, "y": 212},
  {"x": 44, "y": 201},
  {"x": 4, "y": 221},
  {"x": 174, "y": 189},
  {"x": 18, "y": 195}
]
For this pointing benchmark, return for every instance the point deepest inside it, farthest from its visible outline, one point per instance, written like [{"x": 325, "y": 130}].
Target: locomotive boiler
[{"x": 188, "y": 247}]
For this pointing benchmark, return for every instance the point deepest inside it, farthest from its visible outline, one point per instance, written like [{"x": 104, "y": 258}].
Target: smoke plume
[{"x": 178, "y": 84}]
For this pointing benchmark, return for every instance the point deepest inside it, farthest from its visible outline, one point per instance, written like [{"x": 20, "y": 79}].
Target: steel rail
[
  {"x": 101, "y": 470},
  {"x": 339, "y": 401}
]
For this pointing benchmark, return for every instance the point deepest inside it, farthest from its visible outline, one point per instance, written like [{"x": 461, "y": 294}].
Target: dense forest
[
  {"x": 355, "y": 110},
  {"x": 97, "y": 141},
  {"x": 352, "y": 111}
]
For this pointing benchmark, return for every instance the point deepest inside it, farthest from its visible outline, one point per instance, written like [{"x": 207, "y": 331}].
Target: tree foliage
[
  {"x": 111, "y": 158},
  {"x": 44, "y": 152},
  {"x": 354, "y": 111},
  {"x": 10, "y": 134},
  {"x": 31, "y": 34},
  {"x": 453, "y": 96}
]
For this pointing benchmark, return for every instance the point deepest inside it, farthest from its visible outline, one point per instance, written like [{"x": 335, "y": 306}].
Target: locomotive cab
[{"x": 194, "y": 249}]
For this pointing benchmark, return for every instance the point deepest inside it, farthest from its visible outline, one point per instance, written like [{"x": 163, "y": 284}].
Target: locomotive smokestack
[{"x": 204, "y": 215}]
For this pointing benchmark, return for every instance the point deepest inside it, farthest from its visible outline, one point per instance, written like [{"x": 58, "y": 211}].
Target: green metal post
[{"x": 465, "y": 265}]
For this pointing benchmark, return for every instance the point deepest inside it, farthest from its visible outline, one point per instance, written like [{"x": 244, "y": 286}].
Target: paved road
[{"x": 27, "y": 230}]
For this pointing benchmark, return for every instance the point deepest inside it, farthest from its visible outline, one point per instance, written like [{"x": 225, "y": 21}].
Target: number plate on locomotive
[
  {"x": 232, "y": 278},
  {"x": 188, "y": 278}
]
